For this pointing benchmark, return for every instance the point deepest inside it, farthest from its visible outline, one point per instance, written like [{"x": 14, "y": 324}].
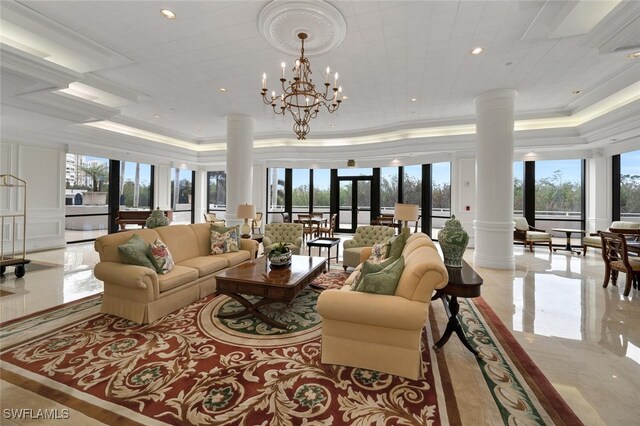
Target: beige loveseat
[
  {"x": 380, "y": 332},
  {"x": 139, "y": 294}
]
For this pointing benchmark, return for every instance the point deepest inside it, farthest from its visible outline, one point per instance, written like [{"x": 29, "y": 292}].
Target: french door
[{"x": 354, "y": 203}]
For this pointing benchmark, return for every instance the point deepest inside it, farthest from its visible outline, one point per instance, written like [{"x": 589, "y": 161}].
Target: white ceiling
[{"x": 393, "y": 51}]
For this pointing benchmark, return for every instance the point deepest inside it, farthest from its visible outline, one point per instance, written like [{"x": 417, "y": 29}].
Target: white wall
[{"x": 44, "y": 171}]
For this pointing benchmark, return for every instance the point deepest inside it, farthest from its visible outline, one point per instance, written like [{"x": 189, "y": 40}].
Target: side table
[
  {"x": 568, "y": 233},
  {"x": 463, "y": 282},
  {"x": 323, "y": 242}
]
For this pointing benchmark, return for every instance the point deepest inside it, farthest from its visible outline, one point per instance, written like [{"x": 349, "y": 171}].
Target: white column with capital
[
  {"x": 494, "y": 178},
  {"x": 240, "y": 128}
]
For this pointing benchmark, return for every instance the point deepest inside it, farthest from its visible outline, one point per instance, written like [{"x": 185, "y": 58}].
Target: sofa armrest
[
  {"x": 365, "y": 253},
  {"x": 266, "y": 241},
  {"x": 531, "y": 228},
  {"x": 298, "y": 242},
  {"x": 373, "y": 309},
  {"x": 250, "y": 245},
  {"x": 132, "y": 276}
]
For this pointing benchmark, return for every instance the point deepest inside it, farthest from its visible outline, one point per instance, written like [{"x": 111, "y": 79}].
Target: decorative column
[
  {"x": 240, "y": 128},
  {"x": 598, "y": 194},
  {"x": 494, "y": 177}
]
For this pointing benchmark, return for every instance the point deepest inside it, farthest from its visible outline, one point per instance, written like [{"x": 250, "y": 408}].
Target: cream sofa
[
  {"x": 140, "y": 294},
  {"x": 594, "y": 240},
  {"x": 380, "y": 332}
]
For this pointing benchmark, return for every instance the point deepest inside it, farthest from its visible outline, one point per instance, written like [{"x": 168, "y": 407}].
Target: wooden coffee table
[{"x": 258, "y": 278}]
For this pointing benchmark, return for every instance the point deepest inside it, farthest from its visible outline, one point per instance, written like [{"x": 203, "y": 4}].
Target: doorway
[{"x": 354, "y": 202}]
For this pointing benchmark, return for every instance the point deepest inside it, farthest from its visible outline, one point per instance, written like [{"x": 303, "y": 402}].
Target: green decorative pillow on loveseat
[{"x": 383, "y": 281}]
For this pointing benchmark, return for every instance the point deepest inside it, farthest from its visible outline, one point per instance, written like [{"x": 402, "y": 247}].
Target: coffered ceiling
[{"x": 405, "y": 67}]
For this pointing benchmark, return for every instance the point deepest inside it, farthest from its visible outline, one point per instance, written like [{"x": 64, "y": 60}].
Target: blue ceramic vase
[{"x": 453, "y": 240}]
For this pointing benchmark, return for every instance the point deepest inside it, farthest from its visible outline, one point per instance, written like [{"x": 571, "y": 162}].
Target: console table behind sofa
[{"x": 137, "y": 217}]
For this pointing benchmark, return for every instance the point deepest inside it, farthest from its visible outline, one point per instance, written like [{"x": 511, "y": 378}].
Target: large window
[
  {"x": 412, "y": 185},
  {"x": 630, "y": 186},
  {"x": 440, "y": 196},
  {"x": 388, "y": 189},
  {"x": 321, "y": 190},
  {"x": 275, "y": 193},
  {"x": 182, "y": 195},
  {"x": 86, "y": 197},
  {"x": 558, "y": 194},
  {"x": 300, "y": 191},
  {"x": 135, "y": 186},
  {"x": 518, "y": 188},
  {"x": 217, "y": 193}
]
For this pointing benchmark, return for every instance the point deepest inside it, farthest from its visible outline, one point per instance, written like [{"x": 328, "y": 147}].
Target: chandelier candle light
[{"x": 299, "y": 96}]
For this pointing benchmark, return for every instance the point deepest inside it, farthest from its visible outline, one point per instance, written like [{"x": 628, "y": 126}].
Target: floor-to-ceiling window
[
  {"x": 182, "y": 195},
  {"x": 354, "y": 198},
  {"x": 440, "y": 196},
  {"x": 388, "y": 189},
  {"x": 321, "y": 190},
  {"x": 559, "y": 194},
  {"x": 217, "y": 193},
  {"x": 275, "y": 193},
  {"x": 86, "y": 197},
  {"x": 518, "y": 188},
  {"x": 301, "y": 189},
  {"x": 135, "y": 186},
  {"x": 630, "y": 186}
]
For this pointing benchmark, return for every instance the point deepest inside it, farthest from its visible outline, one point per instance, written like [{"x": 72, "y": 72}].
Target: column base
[{"x": 494, "y": 245}]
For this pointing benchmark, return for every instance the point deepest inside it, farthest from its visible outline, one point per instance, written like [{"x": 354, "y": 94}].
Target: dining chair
[
  {"x": 257, "y": 223},
  {"x": 328, "y": 229},
  {"x": 616, "y": 259},
  {"x": 307, "y": 225}
]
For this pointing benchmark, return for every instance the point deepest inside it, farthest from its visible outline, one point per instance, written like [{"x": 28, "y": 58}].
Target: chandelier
[{"x": 299, "y": 96}]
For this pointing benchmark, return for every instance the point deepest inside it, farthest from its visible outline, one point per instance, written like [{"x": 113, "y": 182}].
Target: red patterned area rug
[{"x": 192, "y": 368}]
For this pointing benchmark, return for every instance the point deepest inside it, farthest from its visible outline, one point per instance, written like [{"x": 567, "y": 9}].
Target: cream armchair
[
  {"x": 384, "y": 332},
  {"x": 358, "y": 249},
  {"x": 594, "y": 240},
  {"x": 289, "y": 233},
  {"x": 528, "y": 234}
]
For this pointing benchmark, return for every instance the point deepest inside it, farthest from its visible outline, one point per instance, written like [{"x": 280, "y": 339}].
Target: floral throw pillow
[
  {"x": 160, "y": 256},
  {"x": 224, "y": 242},
  {"x": 378, "y": 252}
]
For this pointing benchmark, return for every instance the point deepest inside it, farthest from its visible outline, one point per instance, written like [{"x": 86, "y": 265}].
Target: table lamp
[
  {"x": 406, "y": 212},
  {"x": 246, "y": 212}
]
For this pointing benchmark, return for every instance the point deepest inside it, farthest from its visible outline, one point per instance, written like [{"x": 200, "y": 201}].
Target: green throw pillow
[
  {"x": 396, "y": 245},
  {"x": 385, "y": 281},
  {"x": 134, "y": 252},
  {"x": 370, "y": 267}
]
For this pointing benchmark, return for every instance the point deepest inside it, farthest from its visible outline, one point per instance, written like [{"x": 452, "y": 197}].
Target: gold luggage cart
[{"x": 13, "y": 192}]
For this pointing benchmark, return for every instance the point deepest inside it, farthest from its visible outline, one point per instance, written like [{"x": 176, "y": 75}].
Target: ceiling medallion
[{"x": 281, "y": 21}]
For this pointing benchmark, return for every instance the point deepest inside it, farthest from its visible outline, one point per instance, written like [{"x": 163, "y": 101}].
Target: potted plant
[{"x": 280, "y": 255}]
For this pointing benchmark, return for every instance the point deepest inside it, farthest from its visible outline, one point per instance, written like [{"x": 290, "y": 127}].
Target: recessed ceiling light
[
  {"x": 476, "y": 50},
  {"x": 168, "y": 14},
  {"x": 345, "y": 97},
  {"x": 332, "y": 125},
  {"x": 156, "y": 115},
  {"x": 577, "y": 92},
  {"x": 413, "y": 99},
  {"x": 634, "y": 55},
  {"x": 222, "y": 89}
]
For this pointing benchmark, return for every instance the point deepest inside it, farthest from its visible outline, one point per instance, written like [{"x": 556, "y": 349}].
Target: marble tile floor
[{"x": 584, "y": 338}]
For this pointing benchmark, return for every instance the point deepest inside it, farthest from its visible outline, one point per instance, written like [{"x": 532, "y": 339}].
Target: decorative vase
[
  {"x": 453, "y": 241},
  {"x": 157, "y": 218},
  {"x": 280, "y": 256}
]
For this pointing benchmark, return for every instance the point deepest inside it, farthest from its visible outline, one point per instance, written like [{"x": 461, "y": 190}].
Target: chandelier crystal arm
[{"x": 299, "y": 96}]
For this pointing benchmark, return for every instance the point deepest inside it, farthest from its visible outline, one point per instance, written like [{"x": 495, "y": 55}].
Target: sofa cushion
[
  {"x": 379, "y": 252},
  {"x": 538, "y": 236},
  {"x": 206, "y": 265},
  {"x": 178, "y": 276},
  {"x": 181, "y": 240},
  {"x": 384, "y": 281},
  {"x": 135, "y": 252},
  {"x": 224, "y": 229},
  {"x": 160, "y": 257},
  {"x": 107, "y": 245},
  {"x": 235, "y": 258},
  {"x": 621, "y": 224}
]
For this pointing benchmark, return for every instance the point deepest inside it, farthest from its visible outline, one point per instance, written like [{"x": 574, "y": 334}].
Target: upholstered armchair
[
  {"x": 289, "y": 233},
  {"x": 528, "y": 234},
  {"x": 357, "y": 249},
  {"x": 594, "y": 241}
]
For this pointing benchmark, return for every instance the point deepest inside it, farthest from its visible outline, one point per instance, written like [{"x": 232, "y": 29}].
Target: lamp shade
[
  {"x": 406, "y": 212},
  {"x": 246, "y": 211}
]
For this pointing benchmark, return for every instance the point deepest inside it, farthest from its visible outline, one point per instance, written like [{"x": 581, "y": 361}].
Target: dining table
[{"x": 313, "y": 220}]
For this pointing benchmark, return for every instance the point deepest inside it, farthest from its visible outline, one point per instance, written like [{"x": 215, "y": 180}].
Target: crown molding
[{"x": 25, "y": 64}]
